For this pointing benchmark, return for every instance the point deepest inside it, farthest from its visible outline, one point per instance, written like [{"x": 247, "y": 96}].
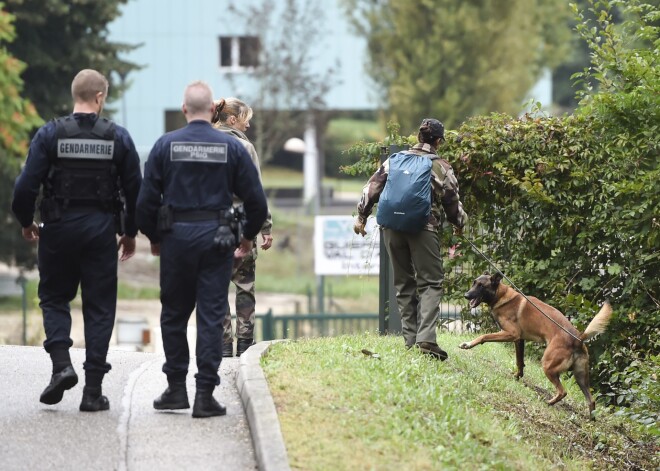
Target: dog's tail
[{"x": 599, "y": 323}]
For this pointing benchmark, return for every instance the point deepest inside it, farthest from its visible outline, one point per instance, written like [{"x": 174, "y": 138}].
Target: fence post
[
  {"x": 22, "y": 281},
  {"x": 267, "y": 326},
  {"x": 389, "y": 319}
]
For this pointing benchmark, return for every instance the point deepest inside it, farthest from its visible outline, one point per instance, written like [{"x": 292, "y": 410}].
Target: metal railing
[
  {"x": 292, "y": 326},
  {"x": 270, "y": 326}
]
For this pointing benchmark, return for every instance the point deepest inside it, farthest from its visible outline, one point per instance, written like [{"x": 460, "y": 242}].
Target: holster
[
  {"x": 120, "y": 222},
  {"x": 165, "y": 219},
  {"x": 50, "y": 210},
  {"x": 225, "y": 239},
  {"x": 238, "y": 222}
]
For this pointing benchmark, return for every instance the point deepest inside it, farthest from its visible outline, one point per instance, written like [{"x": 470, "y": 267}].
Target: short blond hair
[
  {"x": 198, "y": 97},
  {"x": 87, "y": 84}
]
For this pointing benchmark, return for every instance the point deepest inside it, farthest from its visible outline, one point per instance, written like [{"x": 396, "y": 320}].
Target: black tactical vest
[{"x": 82, "y": 171}]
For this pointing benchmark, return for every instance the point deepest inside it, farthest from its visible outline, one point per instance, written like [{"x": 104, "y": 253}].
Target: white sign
[{"x": 339, "y": 251}]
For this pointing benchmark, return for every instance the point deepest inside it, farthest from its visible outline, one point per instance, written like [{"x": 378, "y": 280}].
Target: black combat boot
[
  {"x": 174, "y": 397},
  {"x": 206, "y": 405},
  {"x": 432, "y": 350},
  {"x": 243, "y": 345},
  {"x": 93, "y": 400},
  {"x": 227, "y": 349},
  {"x": 59, "y": 382}
]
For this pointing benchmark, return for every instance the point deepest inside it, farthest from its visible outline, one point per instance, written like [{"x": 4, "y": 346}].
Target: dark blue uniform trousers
[
  {"x": 80, "y": 249},
  {"x": 193, "y": 272}
]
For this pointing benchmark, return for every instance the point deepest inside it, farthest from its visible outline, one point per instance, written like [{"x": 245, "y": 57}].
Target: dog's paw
[{"x": 465, "y": 346}]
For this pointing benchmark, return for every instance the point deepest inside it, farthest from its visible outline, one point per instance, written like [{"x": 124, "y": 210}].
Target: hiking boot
[
  {"x": 243, "y": 345},
  {"x": 433, "y": 350},
  {"x": 93, "y": 400},
  {"x": 206, "y": 405},
  {"x": 59, "y": 382},
  {"x": 174, "y": 397},
  {"x": 227, "y": 349}
]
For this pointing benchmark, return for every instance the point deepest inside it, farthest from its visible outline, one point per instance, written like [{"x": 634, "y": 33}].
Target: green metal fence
[
  {"x": 270, "y": 326},
  {"x": 293, "y": 326}
]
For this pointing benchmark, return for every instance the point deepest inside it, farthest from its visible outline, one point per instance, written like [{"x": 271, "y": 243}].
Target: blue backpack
[{"x": 405, "y": 203}]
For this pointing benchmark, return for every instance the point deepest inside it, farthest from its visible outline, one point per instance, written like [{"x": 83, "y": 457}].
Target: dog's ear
[{"x": 496, "y": 278}]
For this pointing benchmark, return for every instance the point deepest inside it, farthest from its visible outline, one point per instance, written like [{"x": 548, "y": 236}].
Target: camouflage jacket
[
  {"x": 268, "y": 224},
  {"x": 445, "y": 197}
]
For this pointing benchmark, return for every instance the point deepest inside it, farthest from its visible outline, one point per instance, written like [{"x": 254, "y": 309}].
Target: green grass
[
  {"x": 280, "y": 177},
  {"x": 340, "y": 409},
  {"x": 15, "y": 303},
  {"x": 128, "y": 291},
  {"x": 291, "y": 269}
]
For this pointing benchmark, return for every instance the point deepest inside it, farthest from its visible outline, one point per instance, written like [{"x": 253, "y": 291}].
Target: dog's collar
[{"x": 502, "y": 299}]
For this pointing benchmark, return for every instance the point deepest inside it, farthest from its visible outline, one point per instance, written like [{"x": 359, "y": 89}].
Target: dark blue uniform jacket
[
  {"x": 44, "y": 145},
  {"x": 199, "y": 184}
]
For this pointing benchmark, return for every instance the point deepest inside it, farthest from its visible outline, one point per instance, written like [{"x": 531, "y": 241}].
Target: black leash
[{"x": 518, "y": 290}]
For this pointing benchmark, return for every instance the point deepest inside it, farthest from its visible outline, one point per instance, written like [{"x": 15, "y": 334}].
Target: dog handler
[
  {"x": 87, "y": 166},
  {"x": 232, "y": 116},
  {"x": 416, "y": 258},
  {"x": 185, "y": 209}
]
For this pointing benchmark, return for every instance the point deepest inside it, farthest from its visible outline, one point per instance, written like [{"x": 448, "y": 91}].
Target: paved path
[{"x": 132, "y": 435}]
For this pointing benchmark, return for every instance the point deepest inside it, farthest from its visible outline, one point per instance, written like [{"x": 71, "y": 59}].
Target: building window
[{"x": 238, "y": 53}]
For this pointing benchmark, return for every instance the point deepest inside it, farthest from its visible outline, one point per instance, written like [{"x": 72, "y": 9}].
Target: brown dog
[{"x": 519, "y": 320}]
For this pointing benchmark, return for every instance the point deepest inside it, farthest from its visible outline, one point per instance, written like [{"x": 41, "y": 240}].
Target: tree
[
  {"x": 58, "y": 38},
  {"x": 17, "y": 117},
  {"x": 457, "y": 59},
  {"x": 287, "y": 87}
]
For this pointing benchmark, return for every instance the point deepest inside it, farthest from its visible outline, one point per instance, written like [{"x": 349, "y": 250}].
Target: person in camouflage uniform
[
  {"x": 416, "y": 258},
  {"x": 232, "y": 116}
]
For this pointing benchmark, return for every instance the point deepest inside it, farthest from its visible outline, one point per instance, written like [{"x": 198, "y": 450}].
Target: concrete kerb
[{"x": 260, "y": 411}]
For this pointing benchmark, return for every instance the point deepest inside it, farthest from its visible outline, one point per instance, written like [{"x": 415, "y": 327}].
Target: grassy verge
[
  {"x": 280, "y": 177},
  {"x": 129, "y": 291},
  {"x": 343, "y": 410},
  {"x": 290, "y": 268},
  {"x": 15, "y": 303}
]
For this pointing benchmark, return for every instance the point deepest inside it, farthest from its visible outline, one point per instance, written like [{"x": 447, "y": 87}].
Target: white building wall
[{"x": 180, "y": 44}]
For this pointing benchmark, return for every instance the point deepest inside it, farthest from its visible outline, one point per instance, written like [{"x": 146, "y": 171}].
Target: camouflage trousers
[{"x": 243, "y": 278}]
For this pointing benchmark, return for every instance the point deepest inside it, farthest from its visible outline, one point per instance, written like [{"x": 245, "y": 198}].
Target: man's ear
[{"x": 496, "y": 278}]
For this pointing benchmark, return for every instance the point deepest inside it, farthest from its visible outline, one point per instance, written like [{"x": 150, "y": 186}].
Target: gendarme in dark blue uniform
[
  {"x": 194, "y": 171},
  {"x": 84, "y": 164}
]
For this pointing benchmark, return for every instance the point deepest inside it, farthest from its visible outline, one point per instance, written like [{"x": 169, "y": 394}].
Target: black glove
[{"x": 224, "y": 240}]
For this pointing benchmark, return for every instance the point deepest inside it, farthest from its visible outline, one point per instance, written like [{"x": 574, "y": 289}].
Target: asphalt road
[{"x": 131, "y": 435}]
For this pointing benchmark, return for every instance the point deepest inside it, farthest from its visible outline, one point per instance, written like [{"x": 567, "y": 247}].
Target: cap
[{"x": 436, "y": 127}]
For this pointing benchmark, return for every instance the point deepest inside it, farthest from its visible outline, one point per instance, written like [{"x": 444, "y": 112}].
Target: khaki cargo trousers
[
  {"x": 418, "y": 276},
  {"x": 244, "y": 280}
]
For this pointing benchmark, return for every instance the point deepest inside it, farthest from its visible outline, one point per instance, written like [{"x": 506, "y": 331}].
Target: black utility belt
[
  {"x": 167, "y": 216},
  {"x": 198, "y": 216},
  {"x": 230, "y": 224},
  {"x": 107, "y": 206}
]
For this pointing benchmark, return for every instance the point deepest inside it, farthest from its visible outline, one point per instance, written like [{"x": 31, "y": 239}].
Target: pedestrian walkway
[{"x": 132, "y": 435}]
